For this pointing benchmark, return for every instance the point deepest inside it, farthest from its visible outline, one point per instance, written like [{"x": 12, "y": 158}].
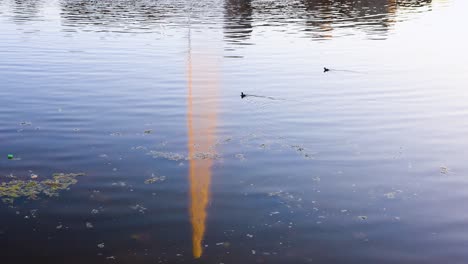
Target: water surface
[{"x": 364, "y": 163}]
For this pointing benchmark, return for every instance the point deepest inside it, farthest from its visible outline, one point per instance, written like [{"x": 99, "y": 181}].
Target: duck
[
  {"x": 243, "y": 95},
  {"x": 325, "y": 69}
]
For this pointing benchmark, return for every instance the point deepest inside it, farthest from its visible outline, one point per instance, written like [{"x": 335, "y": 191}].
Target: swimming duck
[
  {"x": 325, "y": 69},
  {"x": 243, "y": 95}
]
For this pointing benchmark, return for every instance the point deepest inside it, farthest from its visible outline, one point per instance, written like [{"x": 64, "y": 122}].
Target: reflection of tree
[
  {"x": 238, "y": 20},
  {"x": 25, "y": 10},
  {"x": 322, "y": 18},
  {"x": 370, "y": 16},
  {"x": 373, "y": 17},
  {"x": 119, "y": 15},
  {"x": 412, "y": 3}
]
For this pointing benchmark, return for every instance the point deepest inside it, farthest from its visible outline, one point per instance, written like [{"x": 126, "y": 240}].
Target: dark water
[{"x": 365, "y": 163}]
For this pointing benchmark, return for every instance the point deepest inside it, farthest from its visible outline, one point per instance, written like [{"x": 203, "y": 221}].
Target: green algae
[{"x": 33, "y": 190}]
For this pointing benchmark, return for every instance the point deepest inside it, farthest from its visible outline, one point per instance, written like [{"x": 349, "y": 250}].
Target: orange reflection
[
  {"x": 202, "y": 82},
  {"x": 391, "y": 9}
]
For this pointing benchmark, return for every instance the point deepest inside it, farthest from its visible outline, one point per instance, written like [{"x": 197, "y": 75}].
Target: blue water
[{"x": 364, "y": 163}]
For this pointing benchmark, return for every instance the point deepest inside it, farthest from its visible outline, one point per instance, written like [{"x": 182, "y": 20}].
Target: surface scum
[{"x": 31, "y": 189}]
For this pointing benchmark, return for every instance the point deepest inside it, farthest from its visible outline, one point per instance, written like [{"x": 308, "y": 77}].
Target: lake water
[{"x": 364, "y": 163}]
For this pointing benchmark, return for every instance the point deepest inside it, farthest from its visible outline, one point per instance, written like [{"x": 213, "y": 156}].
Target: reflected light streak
[{"x": 202, "y": 88}]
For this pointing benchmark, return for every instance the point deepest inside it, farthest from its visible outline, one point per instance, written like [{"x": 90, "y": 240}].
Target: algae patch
[{"x": 14, "y": 189}]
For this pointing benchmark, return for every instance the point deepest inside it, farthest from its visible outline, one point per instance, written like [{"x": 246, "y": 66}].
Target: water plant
[{"x": 33, "y": 190}]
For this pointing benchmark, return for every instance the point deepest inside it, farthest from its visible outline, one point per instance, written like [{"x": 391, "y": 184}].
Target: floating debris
[
  {"x": 33, "y": 213},
  {"x": 89, "y": 225},
  {"x": 10, "y": 156},
  {"x": 166, "y": 155},
  {"x": 287, "y": 199},
  {"x": 24, "y": 123},
  {"x": 155, "y": 179},
  {"x": 138, "y": 148},
  {"x": 362, "y": 217},
  {"x": 139, "y": 208},
  {"x": 101, "y": 245},
  {"x": 178, "y": 157},
  {"x": 95, "y": 211},
  {"x": 116, "y": 134},
  {"x": 8, "y": 200},
  {"x": 120, "y": 183},
  {"x": 14, "y": 189},
  {"x": 298, "y": 148},
  {"x": 34, "y": 176},
  {"x": 301, "y": 150},
  {"x": 149, "y": 131},
  {"x": 205, "y": 155},
  {"x": 392, "y": 195},
  {"x": 240, "y": 156},
  {"x": 10, "y": 176},
  {"x": 444, "y": 170}
]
